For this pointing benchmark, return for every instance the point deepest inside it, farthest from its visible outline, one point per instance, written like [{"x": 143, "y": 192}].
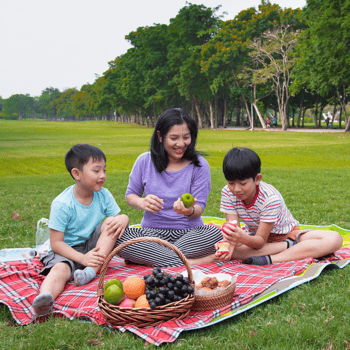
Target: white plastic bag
[{"x": 42, "y": 237}]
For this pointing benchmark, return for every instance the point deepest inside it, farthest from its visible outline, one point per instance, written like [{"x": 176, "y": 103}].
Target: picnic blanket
[{"x": 20, "y": 282}]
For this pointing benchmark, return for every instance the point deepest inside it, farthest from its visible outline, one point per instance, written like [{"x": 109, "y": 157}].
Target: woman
[{"x": 171, "y": 168}]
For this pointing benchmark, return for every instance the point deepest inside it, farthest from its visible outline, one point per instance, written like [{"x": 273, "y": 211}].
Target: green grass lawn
[{"x": 311, "y": 170}]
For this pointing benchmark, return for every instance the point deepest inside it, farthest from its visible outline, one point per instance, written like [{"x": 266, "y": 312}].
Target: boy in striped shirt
[{"x": 270, "y": 234}]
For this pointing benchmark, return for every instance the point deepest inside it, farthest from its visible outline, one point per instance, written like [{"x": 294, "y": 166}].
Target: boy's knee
[{"x": 61, "y": 268}]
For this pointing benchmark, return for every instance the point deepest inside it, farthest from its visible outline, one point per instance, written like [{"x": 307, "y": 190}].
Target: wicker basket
[
  {"x": 214, "y": 301},
  {"x": 143, "y": 317}
]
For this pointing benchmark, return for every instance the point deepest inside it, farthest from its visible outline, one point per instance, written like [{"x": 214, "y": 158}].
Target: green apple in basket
[
  {"x": 187, "y": 199},
  {"x": 114, "y": 281},
  {"x": 113, "y": 294}
]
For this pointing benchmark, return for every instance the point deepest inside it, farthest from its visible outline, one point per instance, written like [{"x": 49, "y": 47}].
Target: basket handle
[{"x": 100, "y": 288}]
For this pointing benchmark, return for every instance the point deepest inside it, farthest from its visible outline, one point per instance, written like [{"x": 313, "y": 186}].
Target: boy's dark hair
[
  {"x": 169, "y": 118},
  {"x": 240, "y": 164},
  {"x": 80, "y": 154}
]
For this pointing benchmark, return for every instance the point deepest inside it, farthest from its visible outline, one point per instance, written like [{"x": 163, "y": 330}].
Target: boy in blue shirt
[
  {"x": 271, "y": 234},
  {"x": 79, "y": 239}
]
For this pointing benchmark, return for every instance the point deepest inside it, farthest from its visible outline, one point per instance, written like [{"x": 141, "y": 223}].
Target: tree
[
  {"x": 65, "y": 104},
  {"x": 18, "y": 104},
  {"x": 188, "y": 32},
  {"x": 273, "y": 54},
  {"x": 2, "y": 103},
  {"x": 324, "y": 59},
  {"x": 229, "y": 50},
  {"x": 46, "y": 101}
]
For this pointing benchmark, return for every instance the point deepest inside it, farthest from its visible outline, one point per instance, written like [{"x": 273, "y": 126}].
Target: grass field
[{"x": 311, "y": 170}]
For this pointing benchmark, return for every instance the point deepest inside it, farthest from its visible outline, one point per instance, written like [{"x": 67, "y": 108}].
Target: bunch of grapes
[{"x": 164, "y": 289}]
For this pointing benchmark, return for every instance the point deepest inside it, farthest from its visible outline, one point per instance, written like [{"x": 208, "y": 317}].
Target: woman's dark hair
[
  {"x": 80, "y": 154},
  {"x": 241, "y": 164},
  {"x": 169, "y": 118}
]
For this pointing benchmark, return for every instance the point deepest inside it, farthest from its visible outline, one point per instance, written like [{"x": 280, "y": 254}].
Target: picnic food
[
  {"x": 134, "y": 286},
  {"x": 142, "y": 301},
  {"x": 223, "y": 247},
  {"x": 114, "y": 281},
  {"x": 113, "y": 294},
  {"x": 127, "y": 302},
  {"x": 212, "y": 283},
  {"x": 187, "y": 199},
  {"x": 164, "y": 289}
]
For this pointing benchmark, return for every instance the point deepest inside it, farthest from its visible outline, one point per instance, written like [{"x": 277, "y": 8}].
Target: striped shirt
[{"x": 267, "y": 206}]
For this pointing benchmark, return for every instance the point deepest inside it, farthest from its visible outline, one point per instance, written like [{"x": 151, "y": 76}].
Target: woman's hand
[
  {"x": 180, "y": 208},
  {"x": 152, "y": 203}
]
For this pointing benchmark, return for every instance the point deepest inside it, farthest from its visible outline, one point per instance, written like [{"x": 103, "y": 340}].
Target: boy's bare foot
[{"x": 43, "y": 304}]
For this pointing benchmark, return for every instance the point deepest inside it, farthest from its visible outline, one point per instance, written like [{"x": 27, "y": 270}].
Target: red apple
[
  {"x": 225, "y": 225},
  {"x": 127, "y": 302}
]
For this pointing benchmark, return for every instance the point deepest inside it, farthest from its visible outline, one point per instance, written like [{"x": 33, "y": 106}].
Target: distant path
[{"x": 279, "y": 129}]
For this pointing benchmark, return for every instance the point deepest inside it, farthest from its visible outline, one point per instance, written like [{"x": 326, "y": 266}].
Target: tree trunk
[
  {"x": 316, "y": 110},
  {"x": 262, "y": 121},
  {"x": 342, "y": 101},
  {"x": 250, "y": 117},
  {"x": 334, "y": 106},
  {"x": 320, "y": 115},
  {"x": 211, "y": 115},
  {"x": 284, "y": 117},
  {"x": 347, "y": 126},
  {"x": 300, "y": 108},
  {"x": 238, "y": 112},
  {"x": 216, "y": 112},
  {"x": 199, "y": 116},
  {"x": 225, "y": 114},
  {"x": 259, "y": 115}
]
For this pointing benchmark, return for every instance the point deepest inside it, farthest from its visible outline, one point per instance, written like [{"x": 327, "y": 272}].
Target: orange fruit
[
  {"x": 142, "y": 301},
  {"x": 134, "y": 286}
]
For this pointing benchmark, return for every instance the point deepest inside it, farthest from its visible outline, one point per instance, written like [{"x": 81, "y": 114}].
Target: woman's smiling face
[{"x": 176, "y": 141}]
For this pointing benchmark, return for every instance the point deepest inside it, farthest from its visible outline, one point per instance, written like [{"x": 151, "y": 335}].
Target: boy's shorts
[
  {"x": 294, "y": 235},
  {"x": 53, "y": 258}
]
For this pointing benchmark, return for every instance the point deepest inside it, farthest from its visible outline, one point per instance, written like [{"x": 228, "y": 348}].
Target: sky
[{"x": 68, "y": 43}]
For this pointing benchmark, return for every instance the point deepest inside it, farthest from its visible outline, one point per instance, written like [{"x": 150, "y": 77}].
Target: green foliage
[{"x": 21, "y": 105}]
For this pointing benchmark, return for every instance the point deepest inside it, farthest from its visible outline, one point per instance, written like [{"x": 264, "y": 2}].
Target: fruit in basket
[
  {"x": 187, "y": 199},
  {"x": 142, "y": 301},
  {"x": 114, "y": 281},
  {"x": 164, "y": 289},
  {"x": 113, "y": 294},
  {"x": 127, "y": 302},
  {"x": 134, "y": 286}
]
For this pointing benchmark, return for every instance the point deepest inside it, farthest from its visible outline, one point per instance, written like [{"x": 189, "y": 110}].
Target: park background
[
  {"x": 266, "y": 61},
  {"x": 117, "y": 112}
]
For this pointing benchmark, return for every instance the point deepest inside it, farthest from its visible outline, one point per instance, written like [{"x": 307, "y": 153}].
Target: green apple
[{"x": 187, "y": 199}]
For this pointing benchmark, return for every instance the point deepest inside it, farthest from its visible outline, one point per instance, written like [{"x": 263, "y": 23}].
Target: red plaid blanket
[{"x": 20, "y": 282}]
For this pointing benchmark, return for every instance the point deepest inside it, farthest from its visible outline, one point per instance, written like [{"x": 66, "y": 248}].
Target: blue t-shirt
[{"x": 78, "y": 221}]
